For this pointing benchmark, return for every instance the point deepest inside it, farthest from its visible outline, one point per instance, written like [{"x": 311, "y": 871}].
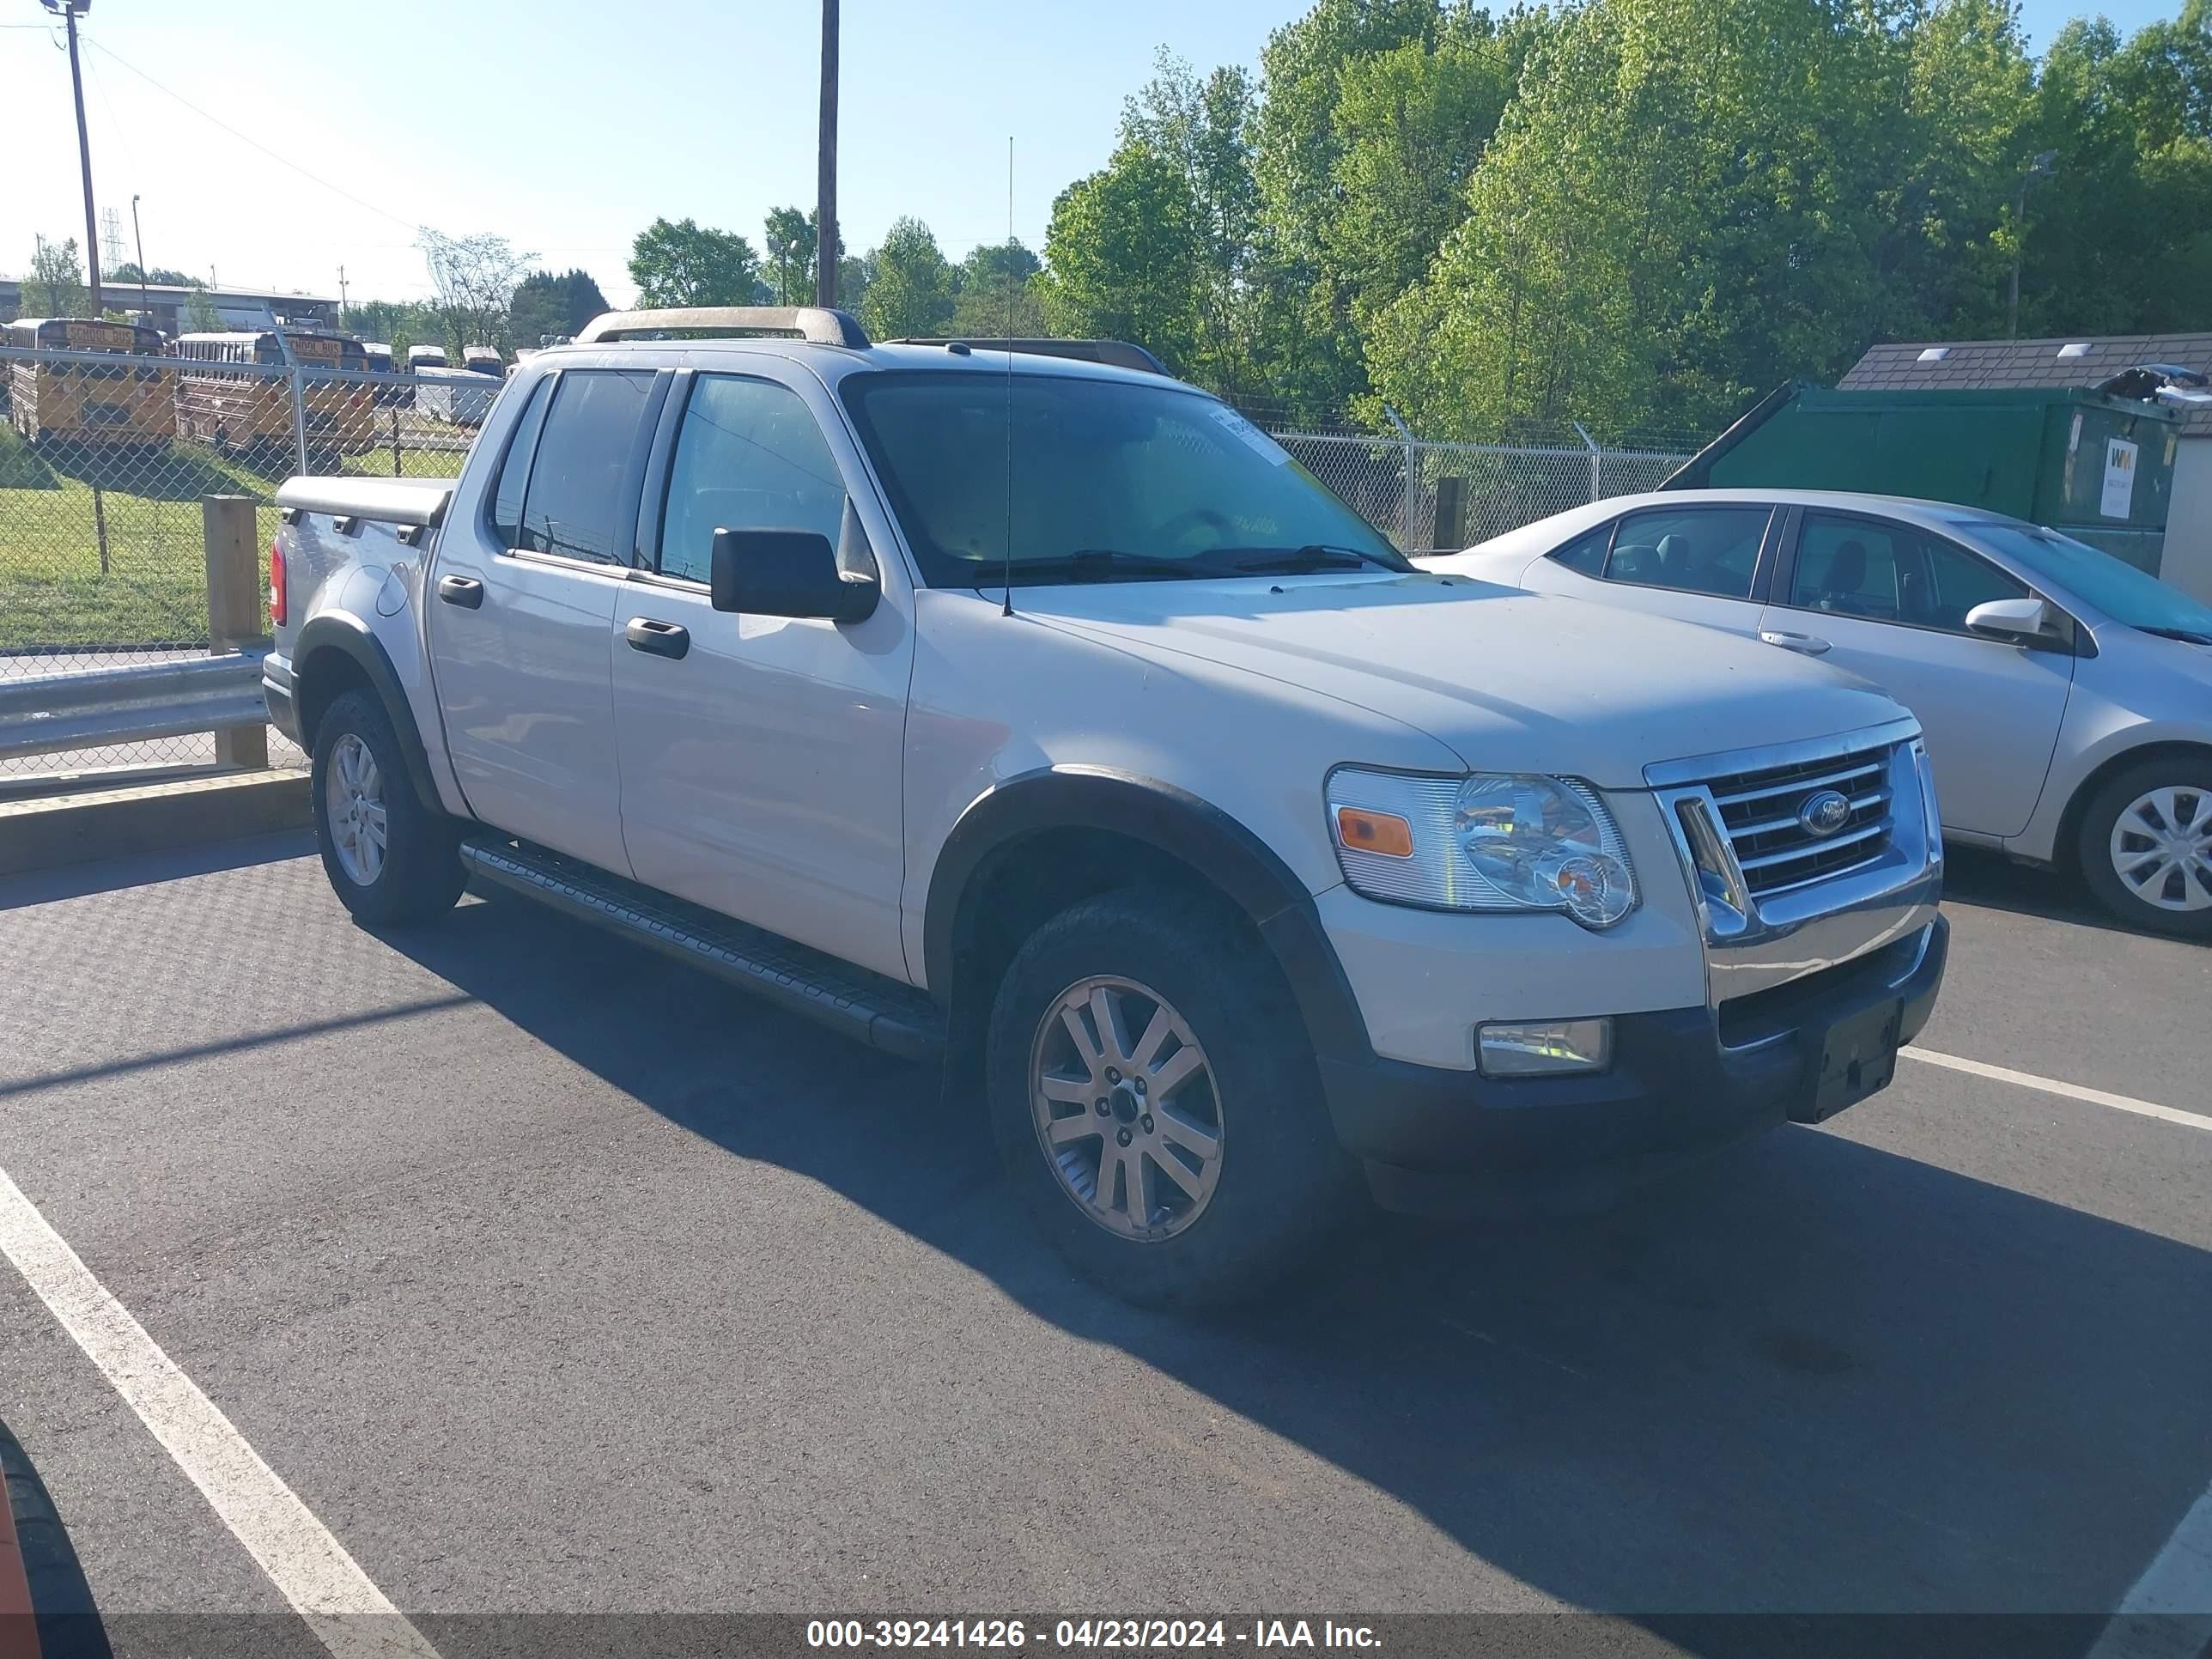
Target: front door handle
[
  {"x": 464, "y": 591},
  {"x": 1809, "y": 644},
  {"x": 659, "y": 639}
]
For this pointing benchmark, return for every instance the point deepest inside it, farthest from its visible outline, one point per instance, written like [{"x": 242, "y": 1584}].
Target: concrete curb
[{"x": 37, "y": 835}]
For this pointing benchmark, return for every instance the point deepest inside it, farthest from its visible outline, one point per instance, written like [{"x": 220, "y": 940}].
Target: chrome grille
[{"x": 1759, "y": 812}]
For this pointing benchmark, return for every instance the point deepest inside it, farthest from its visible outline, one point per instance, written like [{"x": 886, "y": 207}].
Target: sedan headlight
[{"x": 1496, "y": 841}]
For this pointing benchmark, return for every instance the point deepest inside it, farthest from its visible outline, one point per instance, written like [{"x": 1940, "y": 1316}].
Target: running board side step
[{"x": 882, "y": 1012}]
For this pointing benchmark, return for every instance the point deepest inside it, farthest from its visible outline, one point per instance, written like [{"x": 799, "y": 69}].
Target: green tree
[
  {"x": 679, "y": 263},
  {"x": 128, "y": 272},
  {"x": 1119, "y": 255},
  {"x": 909, "y": 288},
  {"x": 790, "y": 239},
  {"x": 1675, "y": 214},
  {"x": 993, "y": 296},
  {"x": 56, "y": 286},
  {"x": 475, "y": 278},
  {"x": 200, "y": 316},
  {"x": 546, "y": 306}
]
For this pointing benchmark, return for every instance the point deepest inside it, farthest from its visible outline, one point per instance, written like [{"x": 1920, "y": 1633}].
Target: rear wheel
[
  {"x": 389, "y": 858},
  {"x": 1157, "y": 1103},
  {"x": 2146, "y": 845}
]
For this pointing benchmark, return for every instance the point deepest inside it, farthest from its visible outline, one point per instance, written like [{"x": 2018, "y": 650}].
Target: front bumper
[{"x": 1683, "y": 1083}]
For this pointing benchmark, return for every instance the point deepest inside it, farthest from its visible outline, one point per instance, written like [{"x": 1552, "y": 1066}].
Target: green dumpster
[{"x": 2098, "y": 468}]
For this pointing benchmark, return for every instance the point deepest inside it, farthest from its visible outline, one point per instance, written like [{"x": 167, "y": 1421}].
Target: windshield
[
  {"x": 2113, "y": 586},
  {"x": 1110, "y": 481}
]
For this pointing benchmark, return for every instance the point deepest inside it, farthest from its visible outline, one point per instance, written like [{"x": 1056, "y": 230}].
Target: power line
[{"x": 255, "y": 142}]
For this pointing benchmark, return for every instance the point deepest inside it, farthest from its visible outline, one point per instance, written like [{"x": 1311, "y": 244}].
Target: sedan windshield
[
  {"x": 1106, "y": 481},
  {"x": 2113, "y": 586}
]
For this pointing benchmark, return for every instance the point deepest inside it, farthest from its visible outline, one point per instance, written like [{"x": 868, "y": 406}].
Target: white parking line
[
  {"x": 347, "y": 1612},
  {"x": 2053, "y": 1086},
  {"x": 2168, "y": 1614}
]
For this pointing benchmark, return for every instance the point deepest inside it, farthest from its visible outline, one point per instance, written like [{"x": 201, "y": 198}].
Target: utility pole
[
  {"x": 825, "y": 206},
  {"x": 71, "y": 10},
  {"x": 2045, "y": 164},
  {"x": 138, "y": 237},
  {"x": 342, "y": 297}
]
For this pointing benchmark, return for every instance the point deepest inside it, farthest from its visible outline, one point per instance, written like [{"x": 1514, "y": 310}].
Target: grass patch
[{"x": 55, "y": 504}]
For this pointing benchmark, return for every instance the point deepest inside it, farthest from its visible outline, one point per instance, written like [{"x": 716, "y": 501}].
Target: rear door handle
[
  {"x": 660, "y": 639},
  {"x": 1810, "y": 645},
  {"x": 464, "y": 591}
]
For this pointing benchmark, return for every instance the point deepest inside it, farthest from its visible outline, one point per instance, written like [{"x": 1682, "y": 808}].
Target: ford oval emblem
[{"x": 1824, "y": 813}]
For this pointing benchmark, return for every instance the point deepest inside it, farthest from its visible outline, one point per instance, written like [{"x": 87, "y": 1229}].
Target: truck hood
[{"x": 1508, "y": 680}]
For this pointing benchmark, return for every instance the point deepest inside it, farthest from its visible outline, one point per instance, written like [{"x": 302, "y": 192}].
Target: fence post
[
  {"x": 233, "y": 590},
  {"x": 1597, "y": 461},
  {"x": 1413, "y": 481}
]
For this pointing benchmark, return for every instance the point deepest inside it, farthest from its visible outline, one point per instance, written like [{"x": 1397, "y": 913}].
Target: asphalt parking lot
[{"x": 556, "y": 1279}]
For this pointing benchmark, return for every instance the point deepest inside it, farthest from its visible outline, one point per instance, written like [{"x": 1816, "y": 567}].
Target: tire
[
  {"x": 360, "y": 782},
  {"x": 1277, "y": 1183},
  {"x": 2154, "y": 819}
]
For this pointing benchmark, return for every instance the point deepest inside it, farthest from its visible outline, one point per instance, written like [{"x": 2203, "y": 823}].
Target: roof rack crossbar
[
  {"x": 815, "y": 323},
  {"x": 1118, "y": 354}
]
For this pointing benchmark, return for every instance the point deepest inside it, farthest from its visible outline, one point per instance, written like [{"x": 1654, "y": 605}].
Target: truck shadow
[{"x": 1815, "y": 1377}]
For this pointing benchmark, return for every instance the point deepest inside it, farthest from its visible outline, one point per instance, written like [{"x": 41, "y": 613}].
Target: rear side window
[
  {"x": 1586, "y": 553},
  {"x": 572, "y": 503},
  {"x": 514, "y": 469},
  {"x": 1695, "y": 550},
  {"x": 749, "y": 456}
]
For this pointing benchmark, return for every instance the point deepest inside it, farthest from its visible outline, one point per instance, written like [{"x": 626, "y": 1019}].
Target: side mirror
[
  {"x": 786, "y": 572},
  {"x": 2022, "y": 621}
]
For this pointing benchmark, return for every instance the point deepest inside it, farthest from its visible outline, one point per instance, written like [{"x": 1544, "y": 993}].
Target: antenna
[{"x": 1009, "y": 572}]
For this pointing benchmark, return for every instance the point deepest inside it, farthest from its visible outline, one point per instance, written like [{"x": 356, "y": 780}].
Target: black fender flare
[
  {"x": 1193, "y": 831},
  {"x": 346, "y": 633}
]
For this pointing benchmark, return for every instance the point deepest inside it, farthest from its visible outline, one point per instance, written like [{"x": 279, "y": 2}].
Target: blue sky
[{"x": 567, "y": 127}]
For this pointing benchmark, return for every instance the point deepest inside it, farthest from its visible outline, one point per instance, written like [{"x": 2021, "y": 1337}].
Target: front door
[
  {"x": 761, "y": 767},
  {"x": 520, "y": 601},
  {"x": 1889, "y": 602}
]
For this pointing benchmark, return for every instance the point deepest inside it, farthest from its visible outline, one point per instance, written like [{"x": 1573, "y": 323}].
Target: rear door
[
  {"x": 1888, "y": 601},
  {"x": 762, "y": 762},
  {"x": 1699, "y": 563},
  {"x": 523, "y": 597}
]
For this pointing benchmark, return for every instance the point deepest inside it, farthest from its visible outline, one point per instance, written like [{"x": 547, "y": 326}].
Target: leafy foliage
[
  {"x": 56, "y": 286},
  {"x": 680, "y": 263},
  {"x": 909, "y": 286},
  {"x": 546, "y": 306},
  {"x": 475, "y": 278},
  {"x": 995, "y": 296}
]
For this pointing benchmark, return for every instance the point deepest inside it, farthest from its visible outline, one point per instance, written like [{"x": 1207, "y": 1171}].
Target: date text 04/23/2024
[{"x": 1259, "y": 1636}]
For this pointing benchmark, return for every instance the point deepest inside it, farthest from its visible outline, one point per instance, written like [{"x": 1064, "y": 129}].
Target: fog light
[{"x": 1541, "y": 1047}]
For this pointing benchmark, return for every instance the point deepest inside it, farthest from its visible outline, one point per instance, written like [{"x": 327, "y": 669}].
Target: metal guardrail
[{"x": 52, "y": 712}]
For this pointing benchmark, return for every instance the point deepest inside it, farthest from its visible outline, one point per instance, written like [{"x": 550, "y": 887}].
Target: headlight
[{"x": 1496, "y": 841}]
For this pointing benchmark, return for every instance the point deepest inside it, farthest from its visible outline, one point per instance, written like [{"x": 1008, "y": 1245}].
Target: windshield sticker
[{"x": 1276, "y": 455}]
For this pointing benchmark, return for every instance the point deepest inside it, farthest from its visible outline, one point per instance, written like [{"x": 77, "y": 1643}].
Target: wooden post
[{"x": 234, "y": 589}]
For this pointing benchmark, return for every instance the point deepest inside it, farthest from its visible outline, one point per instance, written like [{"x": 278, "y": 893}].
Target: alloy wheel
[{"x": 353, "y": 801}]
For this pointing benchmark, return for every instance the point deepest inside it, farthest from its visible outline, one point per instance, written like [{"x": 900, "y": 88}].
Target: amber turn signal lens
[{"x": 1374, "y": 832}]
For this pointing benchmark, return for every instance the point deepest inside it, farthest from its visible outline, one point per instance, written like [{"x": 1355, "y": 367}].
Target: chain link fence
[
  {"x": 104, "y": 459},
  {"x": 1434, "y": 497}
]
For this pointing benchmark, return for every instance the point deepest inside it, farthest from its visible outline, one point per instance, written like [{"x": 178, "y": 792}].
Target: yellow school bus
[
  {"x": 222, "y": 403},
  {"x": 80, "y": 400}
]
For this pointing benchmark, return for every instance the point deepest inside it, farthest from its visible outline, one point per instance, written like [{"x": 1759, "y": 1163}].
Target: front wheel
[
  {"x": 2146, "y": 845},
  {"x": 1157, "y": 1103},
  {"x": 390, "y": 859}
]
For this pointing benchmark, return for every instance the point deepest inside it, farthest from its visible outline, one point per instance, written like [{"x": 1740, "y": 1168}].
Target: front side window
[
  {"x": 749, "y": 456},
  {"x": 1093, "y": 480},
  {"x": 572, "y": 505},
  {"x": 1694, "y": 549},
  {"x": 1890, "y": 571}
]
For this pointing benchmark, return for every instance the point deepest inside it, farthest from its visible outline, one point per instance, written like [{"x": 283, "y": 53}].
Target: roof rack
[
  {"x": 1118, "y": 354},
  {"x": 817, "y": 322}
]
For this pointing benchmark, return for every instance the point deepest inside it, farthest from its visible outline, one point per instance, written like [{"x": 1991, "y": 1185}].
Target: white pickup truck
[{"x": 1029, "y": 709}]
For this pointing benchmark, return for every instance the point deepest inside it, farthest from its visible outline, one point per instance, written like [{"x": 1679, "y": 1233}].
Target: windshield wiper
[
  {"x": 1314, "y": 555},
  {"x": 1109, "y": 564},
  {"x": 2187, "y": 637}
]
